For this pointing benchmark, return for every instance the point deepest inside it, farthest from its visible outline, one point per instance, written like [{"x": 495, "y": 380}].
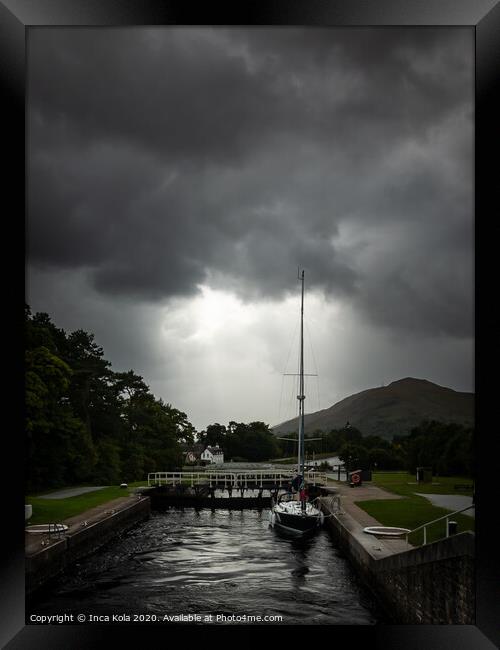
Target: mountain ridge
[{"x": 389, "y": 410}]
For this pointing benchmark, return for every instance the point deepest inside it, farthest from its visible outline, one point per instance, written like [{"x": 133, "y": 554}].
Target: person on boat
[{"x": 297, "y": 482}]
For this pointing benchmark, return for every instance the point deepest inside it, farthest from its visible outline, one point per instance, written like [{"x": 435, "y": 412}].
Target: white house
[{"x": 213, "y": 455}]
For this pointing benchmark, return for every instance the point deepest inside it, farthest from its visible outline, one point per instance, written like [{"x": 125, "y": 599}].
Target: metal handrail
[
  {"x": 56, "y": 528},
  {"x": 429, "y": 523},
  {"x": 234, "y": 479}
]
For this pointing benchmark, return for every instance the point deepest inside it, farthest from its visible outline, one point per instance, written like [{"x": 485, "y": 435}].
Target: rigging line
[
  {"x": 294, "y": 384},
  {"x": 291, "y": 345},
  {"x": 314, "y": 361},
  {"x": 286, "y": 366},
  {"x": 289, "y": 408},
  {"x": 281, "y": 397},
  {"x": 297, "y": 380},
  {"x": 291, "y": 404},
  {"x": 294, "y": 407}
]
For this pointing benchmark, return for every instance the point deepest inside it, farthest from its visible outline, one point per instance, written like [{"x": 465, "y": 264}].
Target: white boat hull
[{"x": 289, "y": 517}]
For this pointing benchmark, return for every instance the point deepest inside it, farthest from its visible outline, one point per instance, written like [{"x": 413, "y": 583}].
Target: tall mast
[{"x": 301, "y": 397}]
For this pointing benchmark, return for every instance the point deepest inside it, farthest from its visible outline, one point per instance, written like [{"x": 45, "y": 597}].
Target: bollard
[{"x": 452, "y": 528}]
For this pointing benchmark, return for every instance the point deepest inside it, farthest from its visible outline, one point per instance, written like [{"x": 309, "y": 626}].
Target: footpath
[
  {"x": 36, "y": 541},
  {"x": 356, "y": 519}
]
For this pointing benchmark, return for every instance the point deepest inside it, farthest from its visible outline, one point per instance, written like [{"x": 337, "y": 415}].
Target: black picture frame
[{"x": 483, "y": 16}]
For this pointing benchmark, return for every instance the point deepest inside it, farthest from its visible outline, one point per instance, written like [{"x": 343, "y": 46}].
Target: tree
[
  {"x": 185, "y": 431},
  {"x": 89, "y": 368},
  {"x": 388, "y": 459},
  {"x": 85, "y": 422},
  {"x": 352, "y": 434},
  {"x": 253, "y": 442},
  {"x": 446, "y": 447},
  {"x": 59, "y": 447},
  {"x": 215, "y": 434},
  {"x": 353, "y": 456},
  {"x": 372, "y": 442}
]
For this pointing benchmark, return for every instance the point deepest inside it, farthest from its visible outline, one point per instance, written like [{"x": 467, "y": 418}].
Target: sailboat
[{"x": 293, "y": 513}]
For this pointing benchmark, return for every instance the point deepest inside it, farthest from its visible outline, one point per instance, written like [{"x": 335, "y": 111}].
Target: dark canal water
[{"x": 214, "y": 562}]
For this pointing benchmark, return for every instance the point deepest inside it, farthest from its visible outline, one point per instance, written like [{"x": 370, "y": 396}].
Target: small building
[
  {"x": 213, "y": 455},
  {"x": 192, "y": 454},
  {"x": 424, "y": 474}
]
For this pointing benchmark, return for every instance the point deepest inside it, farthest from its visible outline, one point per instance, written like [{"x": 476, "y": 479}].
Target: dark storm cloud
[
  {"x": 163, "y": 158},
  {"x": 201, "y": 95}
]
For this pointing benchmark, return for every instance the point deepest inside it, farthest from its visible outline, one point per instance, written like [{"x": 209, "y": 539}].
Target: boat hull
[{"x": 296, "y": 523}]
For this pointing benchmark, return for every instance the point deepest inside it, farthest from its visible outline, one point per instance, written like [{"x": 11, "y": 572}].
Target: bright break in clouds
[{"x": 178, "y": 177}]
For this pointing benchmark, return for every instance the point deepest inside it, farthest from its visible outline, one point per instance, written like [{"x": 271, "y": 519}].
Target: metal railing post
[{"x": 446, "y": 517}]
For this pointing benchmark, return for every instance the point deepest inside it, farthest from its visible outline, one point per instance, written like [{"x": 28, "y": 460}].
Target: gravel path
[
  {"x": 450, "y": 502},
  {"x": 71, "y": 492}
]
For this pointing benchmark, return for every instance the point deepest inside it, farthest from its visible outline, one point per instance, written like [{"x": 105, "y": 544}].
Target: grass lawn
[
  {"x": 406, "y": 484},
  {"x": 412, "y": 511},
  {"x": 47, "y": 511}
]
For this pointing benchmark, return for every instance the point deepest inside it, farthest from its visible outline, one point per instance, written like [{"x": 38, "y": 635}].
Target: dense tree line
[
  {"x": 446, "y": 447},
  {"x": 372, "y": 452},
  {"x": 251, "y": 442},
  {"x": 319, "y": 441},
  {"x": 87, "y": 423}
]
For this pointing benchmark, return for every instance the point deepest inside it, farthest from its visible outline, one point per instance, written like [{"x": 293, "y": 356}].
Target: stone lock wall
[
  {"x": 432, "y": 584},
  {"x": 52, "y": 560},
  {"x": 436, "y": 592}
]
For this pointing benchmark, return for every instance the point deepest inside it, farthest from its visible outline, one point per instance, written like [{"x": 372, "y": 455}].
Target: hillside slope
[{"x": 389, "y": 410}]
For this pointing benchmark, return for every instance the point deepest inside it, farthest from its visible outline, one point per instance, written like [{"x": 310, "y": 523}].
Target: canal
[{"x": 213, "y": 562}]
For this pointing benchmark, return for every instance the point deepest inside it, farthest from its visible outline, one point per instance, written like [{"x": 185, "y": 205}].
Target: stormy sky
[{"x": 177, "y": 177}]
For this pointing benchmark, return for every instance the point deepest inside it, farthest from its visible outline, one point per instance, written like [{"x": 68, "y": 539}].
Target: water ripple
[{"x": 222, "y": 562}]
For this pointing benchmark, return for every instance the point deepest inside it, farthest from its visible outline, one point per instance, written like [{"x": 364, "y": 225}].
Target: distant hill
[{"x": 389, "y": 410}]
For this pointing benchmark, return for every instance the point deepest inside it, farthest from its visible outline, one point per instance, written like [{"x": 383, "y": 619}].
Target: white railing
[
  {"x": 334, "y": 504},
  {"x": 232, "y": 479},
  {"x": 429, "y": 523},
  {"x": 316, "y": 478}
]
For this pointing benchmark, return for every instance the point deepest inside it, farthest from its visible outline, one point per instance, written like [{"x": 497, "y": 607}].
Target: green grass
[
  {"x": 47, "y": 511},
  {"x": 405, "y": 484},
  {"x": 412, "y": 511}
]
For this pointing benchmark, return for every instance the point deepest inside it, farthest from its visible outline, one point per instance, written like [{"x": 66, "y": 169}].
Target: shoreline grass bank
[
  {"x": 412, "y": 510},
  {"x": 57, "y": 510}
]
